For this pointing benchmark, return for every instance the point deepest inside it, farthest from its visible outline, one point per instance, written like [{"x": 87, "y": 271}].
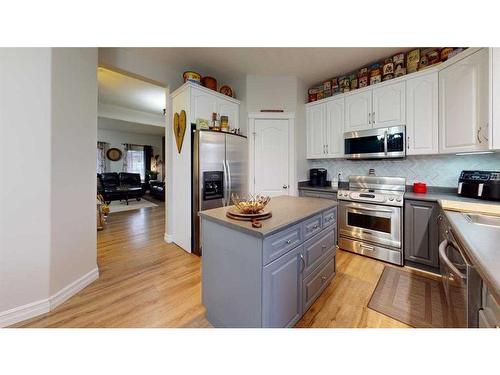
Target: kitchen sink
[{"x": 493, "y": 221}]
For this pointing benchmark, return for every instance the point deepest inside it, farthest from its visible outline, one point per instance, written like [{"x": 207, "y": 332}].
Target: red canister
[{"x": 420, "y": 187}]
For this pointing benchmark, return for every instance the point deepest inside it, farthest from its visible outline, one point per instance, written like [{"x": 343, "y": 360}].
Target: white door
[
  {"x": 230, "y": 109},
  {"x": 463, "y": 104},
  {"x": 203, "y": 105},
  {"x": 316, "y": 119},
  {"x": 389, "y": 106},
  {"x": 335, "y": 128},
  {"x": 422, "y": 115},
  {"x": 271, "y": 157},
  {"x": 358, "y": 108}
]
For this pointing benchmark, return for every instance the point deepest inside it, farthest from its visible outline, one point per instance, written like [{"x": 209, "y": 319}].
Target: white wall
[
  {"x": 74, "y": 137},
  {"x": 25, "y": 173},
  {"x": 48, "y": 117},
  {"x": 118, "y": 138}
]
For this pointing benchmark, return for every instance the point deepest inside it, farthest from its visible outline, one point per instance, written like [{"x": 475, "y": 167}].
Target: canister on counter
[
  {"x": 412, "y": 61},
  {"x": 375, "y": 74}
]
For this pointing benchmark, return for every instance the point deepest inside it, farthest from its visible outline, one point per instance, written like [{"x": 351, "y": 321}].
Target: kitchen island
[{"x": 268, "y": 276}]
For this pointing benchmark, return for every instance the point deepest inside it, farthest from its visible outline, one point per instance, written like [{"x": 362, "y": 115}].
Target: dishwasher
[{"x": 461, "y": 282}]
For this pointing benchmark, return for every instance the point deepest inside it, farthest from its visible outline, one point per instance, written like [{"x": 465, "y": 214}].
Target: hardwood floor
[{"x": 145, "y": 282}]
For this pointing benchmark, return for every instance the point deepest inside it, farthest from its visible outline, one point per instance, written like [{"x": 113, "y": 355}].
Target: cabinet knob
[
  {"x": 285, "y": 186},
  {"x": 289, "y": 241}
]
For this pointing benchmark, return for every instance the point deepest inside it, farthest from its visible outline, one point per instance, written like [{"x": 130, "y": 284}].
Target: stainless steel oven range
[{"x": 371, "y": 217}]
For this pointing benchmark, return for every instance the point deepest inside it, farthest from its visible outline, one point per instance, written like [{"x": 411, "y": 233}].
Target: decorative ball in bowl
[{"x": 253, "y": 204}]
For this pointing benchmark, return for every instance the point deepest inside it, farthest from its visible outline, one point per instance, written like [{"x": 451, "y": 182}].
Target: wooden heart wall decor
[{"x": 179, "y": 129}]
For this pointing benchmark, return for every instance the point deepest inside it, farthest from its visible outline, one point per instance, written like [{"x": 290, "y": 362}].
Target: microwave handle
[
  {"x": 449, "y": 264},
  {"x": 385, "y": 142}
]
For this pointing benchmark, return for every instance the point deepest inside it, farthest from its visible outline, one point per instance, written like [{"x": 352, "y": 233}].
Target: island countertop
[{"x": 286, "y": 210}]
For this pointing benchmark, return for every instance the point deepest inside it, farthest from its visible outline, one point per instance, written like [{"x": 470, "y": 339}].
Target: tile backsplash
[{"x": 434, "y": 170}]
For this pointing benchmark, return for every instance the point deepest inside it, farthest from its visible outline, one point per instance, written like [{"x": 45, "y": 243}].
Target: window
[{"x": 135, "y": 161}]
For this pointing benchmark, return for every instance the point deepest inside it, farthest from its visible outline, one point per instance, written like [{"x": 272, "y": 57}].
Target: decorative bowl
[{"x": 252, "y": 205}]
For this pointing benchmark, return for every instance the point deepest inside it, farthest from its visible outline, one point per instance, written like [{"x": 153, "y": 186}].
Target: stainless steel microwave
[{"x": 381, "y": 143}]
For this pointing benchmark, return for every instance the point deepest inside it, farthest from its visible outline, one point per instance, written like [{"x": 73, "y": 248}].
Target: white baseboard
[
  {"x": 73, "y": 288},
  {"x": 168, "y": 238},
  {"x": 30, "y": 310},
  {"x": 20, "y": 313}
]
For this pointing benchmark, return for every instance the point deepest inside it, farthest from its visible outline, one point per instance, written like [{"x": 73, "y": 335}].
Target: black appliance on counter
[
  {"x": 317, "y": 177},
  {"x": 479, "y": 184}
]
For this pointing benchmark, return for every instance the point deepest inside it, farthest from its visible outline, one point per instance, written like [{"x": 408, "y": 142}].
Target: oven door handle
[
  {"x": 368, "y": 209},
  {"x": 442, "y": 256}
]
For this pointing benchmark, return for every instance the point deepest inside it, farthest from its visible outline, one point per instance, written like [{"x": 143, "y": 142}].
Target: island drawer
[
  {"x": 281, "y": 242},
  {"x": 329, "y": 217},
  {"x": 315, "y": 283},
  {"x": 312, "y": 226},
  {"x": 317, "y": 249}
]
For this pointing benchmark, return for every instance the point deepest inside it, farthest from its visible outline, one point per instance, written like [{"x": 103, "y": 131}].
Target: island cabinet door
[{"x": 282, "y": 290}]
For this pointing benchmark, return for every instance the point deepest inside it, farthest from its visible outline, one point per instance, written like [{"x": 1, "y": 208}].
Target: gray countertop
[
  {"x": 481, "y": 244},
  {"x": 286, "y": 211}
]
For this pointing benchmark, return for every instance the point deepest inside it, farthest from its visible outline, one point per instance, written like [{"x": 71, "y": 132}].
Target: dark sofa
[
  {"x": 157, "y": 189},
  {"x": 120, "y": 186}
]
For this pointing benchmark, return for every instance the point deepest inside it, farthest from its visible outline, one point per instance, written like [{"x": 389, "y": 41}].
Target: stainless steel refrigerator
[{"x": 219, "y": 169}]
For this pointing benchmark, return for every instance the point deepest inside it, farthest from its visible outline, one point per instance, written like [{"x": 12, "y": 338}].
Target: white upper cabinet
[
  {"x": 316, "y": 122},
  {"x": 358, "y": 109},
  {"x": 231, "y": 110},
  {"x": 389, "y": 106},
  {"x": 202, "y": 105},
  {"x": 335, "y": 128},
  {"x": 464, "y": 104},
  {"x": 422, "y": 115}
]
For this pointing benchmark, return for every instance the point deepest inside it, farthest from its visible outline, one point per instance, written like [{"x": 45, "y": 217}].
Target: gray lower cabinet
[
  {"x": 268, "y": 281},
  {"x": 489, "y": 314},
  {"x": 318, "y": 194},
  {"x": 282, "y": 290},
  {"x": 421, "y": 234}
]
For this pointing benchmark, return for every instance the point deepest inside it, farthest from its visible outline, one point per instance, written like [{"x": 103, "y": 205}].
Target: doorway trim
[{"x": 292, "y": 165}]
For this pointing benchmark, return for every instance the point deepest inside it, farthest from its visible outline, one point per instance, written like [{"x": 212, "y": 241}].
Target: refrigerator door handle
[
  {"x": 229, "y": 187},
  {"x": 226, "y": 183}
]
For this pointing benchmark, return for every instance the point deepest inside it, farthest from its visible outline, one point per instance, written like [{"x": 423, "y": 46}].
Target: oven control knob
[
  {"x": 398, "y": 199},
  {"x": 391, "y": 198}
]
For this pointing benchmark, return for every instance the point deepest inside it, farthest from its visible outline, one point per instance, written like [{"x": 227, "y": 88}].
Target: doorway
[
  {"x": 132, "y": 139},
  {"x": 272, "y": 154}
]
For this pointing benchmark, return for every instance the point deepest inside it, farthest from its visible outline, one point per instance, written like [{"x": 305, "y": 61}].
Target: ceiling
[
  {"x": 129, "y": 127},
  {"x": 311, "y": 65},
  {"x": 124, "y": 91}
]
